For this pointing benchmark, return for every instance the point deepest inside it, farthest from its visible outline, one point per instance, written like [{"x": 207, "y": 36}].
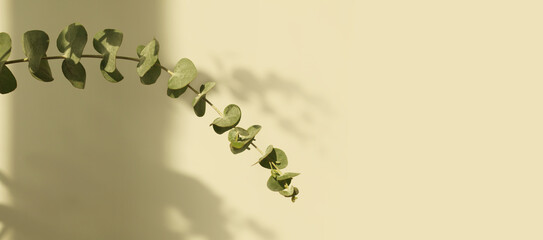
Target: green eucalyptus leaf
[
  {"x": 152, "y": 75},
  {"x": 71, "y": 41},
  {"x": 113, "y": 77},
  {"x": 183, "y": 74},
  {"x": 139, "y": 48},
  {"x": 275, "y": 156},
  {"x": 287, "y": 192},
  {"x": 286, "y": 176},
  {"x": 7, "y": 80},
  {"x": 237, "y": 150},
  {"x": 35, "y": 44},
  {"x": 296, "y": 192},
  {"x": 240, "y": 139},
  {"x": 175, "y": 93},
  {"x": 239, "y": 143},
  {"x": 274, "y": 185},
  {"x": 278, "y": 185},
  {"x": 206, "y": 87},
  {"x": 290, "y": 192},
  {"x": 5, "y": 48},
  {"x": 199, "y": 103},
  {"x": 232, "y": 116},
  {"x": 107, "y": 43},
  {"x": 233, "y": 135},
  {"x": 267, "y": 153},
  {"x": 154, "y": 72},
  {"x": 44, "y": 71},
  {"x": 252, "y": 131},
  {"x": 148, "y": 57},
  {"x": 199, "y": 107},
  {"x": 75, "y": 73}
]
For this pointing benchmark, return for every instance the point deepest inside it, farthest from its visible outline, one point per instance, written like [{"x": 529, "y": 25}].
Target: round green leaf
[
  {"x": 290, "y": 192},
  {"x": 296, "y": 192},
  {"x": 287, "y": 192},
  {"x": 267, "y": 153},
  {"x": 275, "y": 156},
  {"x": 234, "y": 134},
  {"x": 44, "y": 71},
  {"x": 199, "y": 103},
  {"x": 113, "y": 77},
  {"x": 240, "y": 139},
  {"x": 175, "y": 93},
  {"x": 152, "y": 75},
  {"x": 107, "y": 43},
  {"x": 148, "y": 57},
  {"x": 277, "y": 185},
  {"x": 237, "y": 150},
  {"x": 5, "y": 48},
  {"x": 232, "y": 116},
  {"x": 35, "y": 44},
  {"x": 274, "y": 185},
  {"x": 206, "y": 87},
  {"x": 286, "y": 176},
  {"x": 75, "y": 73},
  {"x": 139, "y": 48},
  {"x": 71, "y": 41},
  {"x": 199, "y": 107},
  {"x": 251, "y": 133},
  {"x": 7, "y": 80},
  {"x": 183, "y": 74}
]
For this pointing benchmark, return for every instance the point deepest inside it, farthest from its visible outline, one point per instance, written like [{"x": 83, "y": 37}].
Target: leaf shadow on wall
[
  {"x": 293, "y": 107},
  {"x": 91, "y": 165}
]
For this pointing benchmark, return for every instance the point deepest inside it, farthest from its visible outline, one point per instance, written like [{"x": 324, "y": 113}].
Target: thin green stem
[
  {"x": 260, "y": 151},
  {"x": 276, "y": 168}
]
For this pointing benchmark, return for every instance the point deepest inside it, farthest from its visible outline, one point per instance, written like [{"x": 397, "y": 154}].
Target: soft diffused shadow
[
  {"x": 95, "y": 168},
  {"x": 90, "y": 164},
  {"x": 291, "y": 105}
]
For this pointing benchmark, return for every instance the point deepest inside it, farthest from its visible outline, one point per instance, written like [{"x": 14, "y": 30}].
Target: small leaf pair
[
  {"x": 199, "y": 102},
  {"x": 240, "y": 139},
  {"x": 71, "y": 41},
  {"x": 149, "y": 68},
  {"x": 35, "y": 45},
  {"x": 278, "y": 182},
  {"x": 7, "y": 80},
  {"x": 273, "y": 158},
  {"x": 107, "y": 43}
]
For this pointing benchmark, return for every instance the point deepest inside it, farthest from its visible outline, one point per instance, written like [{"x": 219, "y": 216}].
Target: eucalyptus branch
[
  {"x": 71, "y": 42},
  {"x": 118, "y": 57}
]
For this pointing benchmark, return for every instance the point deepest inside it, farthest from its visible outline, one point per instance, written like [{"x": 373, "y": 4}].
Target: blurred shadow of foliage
[{"x": 293, "y": 107}]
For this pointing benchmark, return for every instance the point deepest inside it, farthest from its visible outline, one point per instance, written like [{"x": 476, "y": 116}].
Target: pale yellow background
[{"x": 407, "y": 119}]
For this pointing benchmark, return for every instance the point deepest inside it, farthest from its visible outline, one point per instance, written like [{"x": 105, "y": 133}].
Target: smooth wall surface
[
  {"x": 5, "y": 130},
  {"x": 407, "y": 119}
]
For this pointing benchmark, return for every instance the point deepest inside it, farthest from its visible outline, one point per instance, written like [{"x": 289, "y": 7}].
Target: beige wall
[
  {"x": 5, "y": 126},
  {"x": 407, "y": 119}
]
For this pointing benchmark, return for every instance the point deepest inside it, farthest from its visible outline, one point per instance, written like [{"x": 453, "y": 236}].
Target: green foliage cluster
[{"x": 71, "y": 42}]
